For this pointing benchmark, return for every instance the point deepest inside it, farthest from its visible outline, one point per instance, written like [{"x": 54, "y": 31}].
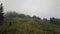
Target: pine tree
[{"x": 1, "y": 14}]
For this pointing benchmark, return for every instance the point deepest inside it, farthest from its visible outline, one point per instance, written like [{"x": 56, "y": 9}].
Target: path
[{"x": 26, "y": 27}]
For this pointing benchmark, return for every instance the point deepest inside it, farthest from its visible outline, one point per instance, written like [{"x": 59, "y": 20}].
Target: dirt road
[{"x": 26, "y": 27}]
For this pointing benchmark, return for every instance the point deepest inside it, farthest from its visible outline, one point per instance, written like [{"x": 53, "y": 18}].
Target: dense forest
[{"x": 15, "y": 23}]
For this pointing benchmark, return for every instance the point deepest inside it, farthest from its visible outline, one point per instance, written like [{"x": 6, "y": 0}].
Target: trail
[{"x": 26, "y": 27}]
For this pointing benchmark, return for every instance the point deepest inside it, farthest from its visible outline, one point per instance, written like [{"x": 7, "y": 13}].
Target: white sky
[{"x": 41, "y": 8}]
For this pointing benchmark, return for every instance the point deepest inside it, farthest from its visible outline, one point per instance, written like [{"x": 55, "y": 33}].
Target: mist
[{"x": 41, "y": 8}]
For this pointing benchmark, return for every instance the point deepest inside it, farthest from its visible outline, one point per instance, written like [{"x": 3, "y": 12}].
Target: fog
[{"x": 41, "y": 8}]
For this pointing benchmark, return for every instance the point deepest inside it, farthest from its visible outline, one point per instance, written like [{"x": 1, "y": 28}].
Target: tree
[
  {"x": 36, "y": 17},
  {"x": 11, "y": 14},
  {"x": 45, "y": 19},
  {"x": 52, "y": 20},
  {"x": 55, "y": 21},
  {"x": 1, "y": 14}
]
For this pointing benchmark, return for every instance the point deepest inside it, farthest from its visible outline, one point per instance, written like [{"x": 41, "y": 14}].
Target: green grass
[{"x": 35, "y": 26}]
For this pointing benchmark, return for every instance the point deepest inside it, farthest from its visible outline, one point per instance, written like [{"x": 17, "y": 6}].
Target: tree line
[
  {"x": 17, "y": 15},
  {"x": 55, "y": 21},
  {"x": 13, "y": 14}
]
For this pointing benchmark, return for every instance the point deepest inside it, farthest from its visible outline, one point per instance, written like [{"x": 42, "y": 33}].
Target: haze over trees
[
  {"x": 15, "y": 14},
  {"x": 15, "y": 23},
  {"x": 55, "y": 21}
]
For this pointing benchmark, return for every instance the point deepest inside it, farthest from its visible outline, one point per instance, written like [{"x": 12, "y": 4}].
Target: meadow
[{"x": 28, "y": 26}]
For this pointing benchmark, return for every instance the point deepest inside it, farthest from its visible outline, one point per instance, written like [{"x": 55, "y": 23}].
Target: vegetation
[
  {"x": 1, "y": 14},
  {"x": 55, "y": 21},
  {"x": 15, "y": 23},
  {"x": 13, "y": 14},
  {"x": 35, "y": 26}
]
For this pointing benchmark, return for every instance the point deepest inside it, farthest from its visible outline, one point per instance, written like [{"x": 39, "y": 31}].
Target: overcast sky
[{"x": 41, "y": 8}]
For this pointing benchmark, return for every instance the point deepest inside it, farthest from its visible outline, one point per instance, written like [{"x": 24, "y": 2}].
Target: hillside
[{"x": 28, "y": 26}]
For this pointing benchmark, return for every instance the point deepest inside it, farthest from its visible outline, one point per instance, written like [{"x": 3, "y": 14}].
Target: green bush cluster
[{"x": 36, "y": 26}]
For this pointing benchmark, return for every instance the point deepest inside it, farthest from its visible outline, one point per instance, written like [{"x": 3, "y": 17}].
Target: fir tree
[{"x": 1, "y": 14}]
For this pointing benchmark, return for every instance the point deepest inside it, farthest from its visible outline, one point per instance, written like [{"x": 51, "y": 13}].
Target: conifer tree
[{"x": 1, "y": 14}]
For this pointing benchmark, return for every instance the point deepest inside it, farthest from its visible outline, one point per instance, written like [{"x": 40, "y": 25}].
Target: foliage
[
  {"x": 35, "y": 26},
  {"x": 12, "y": 14},
  {"x": 55, "y": 21},
  {"x": 1, "y": 14}
]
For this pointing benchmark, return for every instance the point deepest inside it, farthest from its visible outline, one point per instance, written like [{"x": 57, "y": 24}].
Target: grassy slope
[{"x": 34, "y": 27}]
